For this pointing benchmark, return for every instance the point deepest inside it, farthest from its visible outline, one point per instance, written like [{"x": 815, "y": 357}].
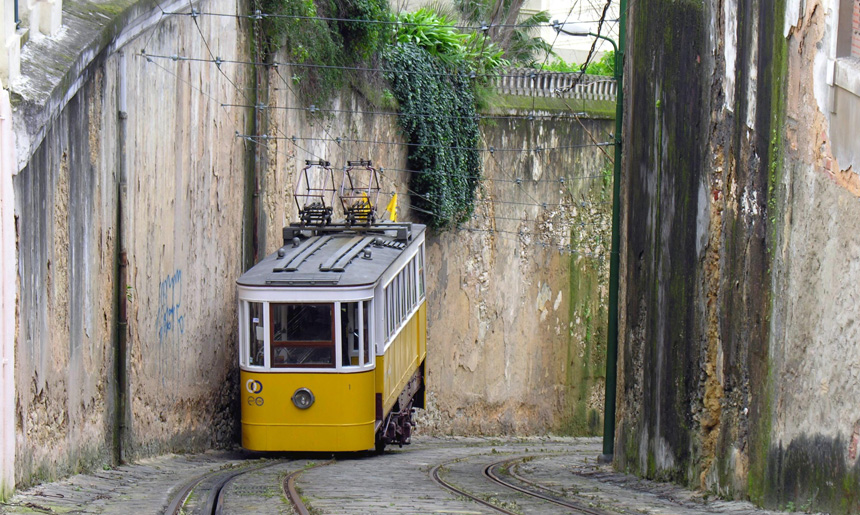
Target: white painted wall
[
  {"x": 7, "y": 299},
  {"x": 10, "y": 43}
]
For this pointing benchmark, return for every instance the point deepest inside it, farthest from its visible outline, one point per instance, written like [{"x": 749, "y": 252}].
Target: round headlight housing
[{"x": 303, "y": 398}]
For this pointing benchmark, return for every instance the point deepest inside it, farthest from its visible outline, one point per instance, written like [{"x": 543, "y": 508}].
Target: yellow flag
[{"x": 392, "y": 208}]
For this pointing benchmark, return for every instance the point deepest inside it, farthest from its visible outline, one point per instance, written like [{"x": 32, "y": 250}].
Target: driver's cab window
[
  {"x": 349, "y": 334},
  {"x": 256, "y": 350},
  {"x": 354, "y": 334}
]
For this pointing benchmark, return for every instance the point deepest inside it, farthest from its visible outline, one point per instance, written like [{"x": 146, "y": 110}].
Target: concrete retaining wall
[
  {"x": 137, "y": 206},
  {"x": 739, "y": 273},
  {"x": 179, "y": 229}
]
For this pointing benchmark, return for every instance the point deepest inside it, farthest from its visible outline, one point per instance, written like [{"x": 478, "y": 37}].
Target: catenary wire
[
  {"x": 491, "y": 150},
  {"x": 218, "y": 61},
  {"x": 259, "y": 15}
]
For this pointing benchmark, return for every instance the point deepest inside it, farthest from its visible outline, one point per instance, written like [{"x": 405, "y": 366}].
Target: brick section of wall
[{"x": 855, "y": 30}]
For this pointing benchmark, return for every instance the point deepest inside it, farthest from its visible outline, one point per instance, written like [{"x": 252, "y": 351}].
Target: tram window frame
[
  {"x": 346, "y": 349},
  {"x": 411, "y": 283},
  {"x": 321, "y": 344},
  {"x": 399, "y": 302},
  {"x": 389, "y": 310},
  {"x": 366, "y": 321},
  {"x": 420, "y": 271},
  {"x": 251, "y": 333}
]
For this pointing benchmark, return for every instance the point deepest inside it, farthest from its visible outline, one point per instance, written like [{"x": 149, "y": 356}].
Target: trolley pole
[
  {"x": 615, "y": 249},
  {"x": 615, "y": 252}
]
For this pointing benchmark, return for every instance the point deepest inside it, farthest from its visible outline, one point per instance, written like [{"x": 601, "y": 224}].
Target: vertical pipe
[
  {"x": 121, "y": 268},
  {"x": 614, "y": 257}
]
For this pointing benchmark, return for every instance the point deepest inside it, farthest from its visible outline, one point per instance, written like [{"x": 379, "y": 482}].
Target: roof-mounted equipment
[
  {"x": 359, "y": 192},
  {"x": 315, "y": 192}
]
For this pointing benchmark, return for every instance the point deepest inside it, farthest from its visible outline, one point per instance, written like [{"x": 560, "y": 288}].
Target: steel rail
[
  {"x": 289, "y": 487},
  {"x": 434, "y": 474},
  {"x": 554, "y": 498},
  {"x": 213, "y": 499}
]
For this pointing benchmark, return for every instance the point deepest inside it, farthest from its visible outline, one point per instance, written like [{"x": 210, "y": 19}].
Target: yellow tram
[{"x": 332, "y": 339}]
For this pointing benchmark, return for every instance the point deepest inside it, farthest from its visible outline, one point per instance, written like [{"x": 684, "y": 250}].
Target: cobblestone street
[{"x": 400, "y": 481}]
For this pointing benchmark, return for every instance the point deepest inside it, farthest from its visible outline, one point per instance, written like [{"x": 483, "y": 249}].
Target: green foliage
[
  {"x": 435, "y": 34},
  {"x": 515, "y": 35},
  {"x": 603, "y": 66},
  {"x": 443, "y": 147},
  {"x": 310, "y": 40},
  {"x": 361, "y": 41}
]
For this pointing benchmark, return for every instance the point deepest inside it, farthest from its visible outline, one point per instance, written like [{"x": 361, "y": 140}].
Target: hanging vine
[
  {"x": 435, "y": 88},
  {"x": 443, "y": 150}
]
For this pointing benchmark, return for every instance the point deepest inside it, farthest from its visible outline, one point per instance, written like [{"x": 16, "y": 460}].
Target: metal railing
[{"x": 529, "y": 82}]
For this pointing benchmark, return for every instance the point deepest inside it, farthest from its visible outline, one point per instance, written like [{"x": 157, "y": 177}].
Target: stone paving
[{"x": 396, "y": 483}]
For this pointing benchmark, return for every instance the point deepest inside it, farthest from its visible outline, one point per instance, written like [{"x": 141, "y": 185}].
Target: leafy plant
[
  {"x": 439, "y": 119},
  {"x": 435, "y": 34},
  {"x": 515, "y": 35},
  {"x": 362, "y": 40},
  {"x": 603, "y": 66},
  {"x": 297, "y": 28}
]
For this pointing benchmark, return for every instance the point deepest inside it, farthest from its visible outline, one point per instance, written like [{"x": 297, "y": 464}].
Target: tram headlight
[{"x": 303, "y": 398}]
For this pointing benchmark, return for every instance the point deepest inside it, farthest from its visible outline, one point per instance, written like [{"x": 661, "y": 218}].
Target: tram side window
[
  {"x": 421, "y": 272},
  {"x": 389, "y": 305},
  {"x": 302, "y": 335},
  {"x": 256, "y": 336},
  {"x": 366, "y": 332},
  {"x": 410, "y": 283},
  {"x": 349, "y": 340}
]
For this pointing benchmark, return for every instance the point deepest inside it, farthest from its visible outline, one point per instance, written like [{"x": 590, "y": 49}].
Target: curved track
[
  {"x": 537, "y": 490},
  {"x": 533, "y": 489},
  {"x": 214, "y": 482},
  {"x": 292, "y": 494},
  {"x": 434, "y": 474}
]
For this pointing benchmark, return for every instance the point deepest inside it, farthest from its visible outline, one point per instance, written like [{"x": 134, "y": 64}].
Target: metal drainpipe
[
  {"x": 614, "y": 257},
  {"x": 120, "y": 350}
]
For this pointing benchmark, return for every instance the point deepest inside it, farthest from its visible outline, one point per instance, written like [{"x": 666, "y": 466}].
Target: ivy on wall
[
  {"x": 439, "y": 119},
  {"x": 307, "y": 39},
  {"x": 438, "y": 78}
]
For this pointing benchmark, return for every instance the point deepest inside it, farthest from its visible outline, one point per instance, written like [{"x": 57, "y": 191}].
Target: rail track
[
  {"x": 532, "y": 489},
  {"x": 289, "y": 487},
  {"x": 211, "y": 487},
  {"x": 537, "y": 490}
]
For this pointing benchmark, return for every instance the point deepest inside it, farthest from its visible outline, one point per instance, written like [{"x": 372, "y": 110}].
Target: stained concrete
[
  {"x": 137, "y": 192},
  {"x": 737, "y": 351}
]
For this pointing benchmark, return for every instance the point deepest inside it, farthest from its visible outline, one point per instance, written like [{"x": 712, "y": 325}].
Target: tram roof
[{"x": 333, "y": 255}]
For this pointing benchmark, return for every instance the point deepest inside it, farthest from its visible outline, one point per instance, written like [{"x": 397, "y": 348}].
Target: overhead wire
[
  {"x": 313, "y": 109},
  {"x": 491, "y": 150},
  {"x": 260, "y": 15},
  {"x": 339, "y": 141},
  {"x": 222, "y": 61}
]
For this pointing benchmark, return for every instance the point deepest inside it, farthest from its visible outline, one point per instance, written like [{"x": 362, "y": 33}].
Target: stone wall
[
  {"x": 517, "y": 295},
  {"x": 738, "y": 289},
  {"x": 127, "y": 160},
  {"x": 138, "y": 202}
]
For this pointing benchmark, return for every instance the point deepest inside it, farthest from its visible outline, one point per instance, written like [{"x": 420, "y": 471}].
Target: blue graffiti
[{"x": 169, "y": 304}]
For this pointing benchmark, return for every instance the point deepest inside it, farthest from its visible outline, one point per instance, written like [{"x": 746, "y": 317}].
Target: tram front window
[{"x": 302, "y": 335}]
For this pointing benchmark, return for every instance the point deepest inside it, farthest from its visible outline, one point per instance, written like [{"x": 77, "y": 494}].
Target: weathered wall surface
[
  {"x": 516, "y": 297},
  {"x": 739, "y": 289},
  {"x": 66, "y": 222},
  {"x": 180, "y": 227},
  {"x": 138, "y": 204}
]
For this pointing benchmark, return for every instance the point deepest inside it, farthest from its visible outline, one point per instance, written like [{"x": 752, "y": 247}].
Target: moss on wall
[{"x": 665, "y": 165}]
